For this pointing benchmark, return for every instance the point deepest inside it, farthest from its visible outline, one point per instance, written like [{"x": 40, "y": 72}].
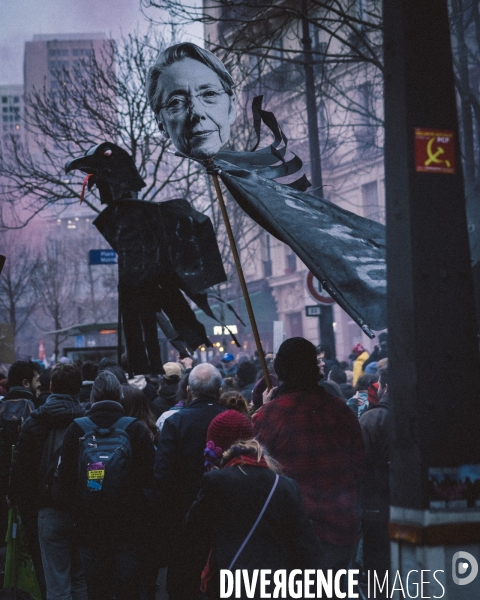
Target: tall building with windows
[
  {"x": 11, "y": 98},
  {"x": 47, "y": 55}
]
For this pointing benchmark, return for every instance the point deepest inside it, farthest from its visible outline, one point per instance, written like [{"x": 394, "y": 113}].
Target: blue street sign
[
  {"x": 79, "y": 341},
  {"x": 102, "y": 257}
]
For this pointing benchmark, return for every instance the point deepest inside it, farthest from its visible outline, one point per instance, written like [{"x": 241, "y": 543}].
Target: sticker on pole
[
  {"x": 434, "y": 151},
  {"x": 316, "y": 290}
]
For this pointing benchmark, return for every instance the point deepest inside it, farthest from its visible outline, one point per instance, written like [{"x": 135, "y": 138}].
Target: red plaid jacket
[{"x": 318, "y": 441}]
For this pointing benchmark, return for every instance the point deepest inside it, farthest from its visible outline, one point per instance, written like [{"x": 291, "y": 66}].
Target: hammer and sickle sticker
[
  {"x": 433, "y": 156},
  {"x": 434, "y": 151}
]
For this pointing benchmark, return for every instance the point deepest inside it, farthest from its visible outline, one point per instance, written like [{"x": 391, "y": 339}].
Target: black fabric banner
[{"x": 345, "y": 252}]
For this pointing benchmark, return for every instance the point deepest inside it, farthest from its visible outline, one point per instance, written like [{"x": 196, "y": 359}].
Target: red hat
[
  {"x": 358, "y": 349},
  {"x": 372, "y": 393},
  {"x": 229, "y": 427}
]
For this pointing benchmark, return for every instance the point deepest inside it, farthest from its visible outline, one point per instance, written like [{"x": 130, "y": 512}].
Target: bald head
[{"x": 205, "y": 381}]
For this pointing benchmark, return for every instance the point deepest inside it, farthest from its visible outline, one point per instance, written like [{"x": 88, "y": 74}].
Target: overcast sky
[{"x": 21, "y": 19}]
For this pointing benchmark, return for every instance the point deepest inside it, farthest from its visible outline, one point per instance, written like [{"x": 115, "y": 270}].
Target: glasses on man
[{"x": 180, "y": 103}]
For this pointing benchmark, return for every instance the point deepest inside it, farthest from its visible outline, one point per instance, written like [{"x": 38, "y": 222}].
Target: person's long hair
[
  {"x": 235, "y": 401},
  {"x": 135, "y": 405},
  {"x": 253, "y": 449},
  {"x": 181, "y": 395}
]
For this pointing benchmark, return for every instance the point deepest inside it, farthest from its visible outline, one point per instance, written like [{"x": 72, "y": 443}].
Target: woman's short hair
[
  {"x": 178, "y": 52},
  {"x": 106, "y": 387}
]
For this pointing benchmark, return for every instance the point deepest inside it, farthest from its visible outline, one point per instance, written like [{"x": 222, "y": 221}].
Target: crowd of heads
[{"x": 236, "y": 382}]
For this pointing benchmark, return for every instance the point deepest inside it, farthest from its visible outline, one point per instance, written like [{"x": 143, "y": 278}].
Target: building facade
[{"x": 350, "y": 141}]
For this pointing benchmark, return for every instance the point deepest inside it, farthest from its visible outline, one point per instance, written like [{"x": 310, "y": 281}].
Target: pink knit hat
[{"x": 228, "y": 427}]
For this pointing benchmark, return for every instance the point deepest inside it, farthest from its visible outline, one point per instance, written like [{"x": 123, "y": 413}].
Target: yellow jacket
[{"x": 357, "y": 366}]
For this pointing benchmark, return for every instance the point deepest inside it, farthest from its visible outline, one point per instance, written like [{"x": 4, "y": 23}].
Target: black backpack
[
  {"x": 104, "y": 462},
  {"x": 48, "y": 471},
  {"x": 13, "y": 413}
]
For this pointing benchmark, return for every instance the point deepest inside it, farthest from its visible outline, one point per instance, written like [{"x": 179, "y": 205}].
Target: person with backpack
[
  {"x": 106, "y": 468},
  {"x": 15, "y": 408},
  {"x": 35, "y": 490},
  {"x": 23, "y": 386}
]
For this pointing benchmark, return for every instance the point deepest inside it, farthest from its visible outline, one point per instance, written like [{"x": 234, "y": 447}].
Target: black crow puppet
[{"x": 163, "y": 249}]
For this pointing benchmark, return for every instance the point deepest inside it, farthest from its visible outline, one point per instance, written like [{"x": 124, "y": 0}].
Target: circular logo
[{"x": 460, "y": 568}]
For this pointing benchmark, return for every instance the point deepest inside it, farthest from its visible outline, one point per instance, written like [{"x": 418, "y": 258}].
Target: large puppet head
[{"x": 191, "y": 94}]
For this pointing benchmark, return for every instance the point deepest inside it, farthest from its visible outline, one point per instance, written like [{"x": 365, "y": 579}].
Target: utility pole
[
  {"x": 311, "y": 103},
  {"x": 327, "y": 333},
  {"x": 434, "y": 373}
]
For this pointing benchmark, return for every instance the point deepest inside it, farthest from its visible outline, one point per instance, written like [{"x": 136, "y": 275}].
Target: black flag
[{"x": 344, "y": 251}]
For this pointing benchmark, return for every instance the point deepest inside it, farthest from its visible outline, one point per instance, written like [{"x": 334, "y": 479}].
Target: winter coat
[
  {"x": 56, "y": 413},
  {"x": 317, "y": 440},
  {"x": 358, "y": 403},
  {"x": 378, "y": 353},
  {"x": 179, "y": 461},
  {"x": 358, "y": 366},
  {"x": 247, "y": 391},
  {"x": 165, "y": 400},
  {"x": 16, "y": 407},
  {"x": 227, "y": 506},
  {"x": 19, "y": 392},
  {"x": 126, "y": 520},
  {"x": 376, "y": 424}
]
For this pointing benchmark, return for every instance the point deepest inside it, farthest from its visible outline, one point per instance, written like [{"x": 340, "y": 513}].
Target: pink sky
[{"x": 21, "y": 19}]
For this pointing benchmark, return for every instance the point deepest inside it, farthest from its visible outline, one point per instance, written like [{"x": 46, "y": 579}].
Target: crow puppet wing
[{"x": 162, "y": 247}]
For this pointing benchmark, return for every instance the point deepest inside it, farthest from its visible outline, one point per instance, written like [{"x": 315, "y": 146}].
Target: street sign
[
  {"x": 316, "y": 291},
  {"x": 313, "y": 311},
  {"x": 102, "y": 257}
]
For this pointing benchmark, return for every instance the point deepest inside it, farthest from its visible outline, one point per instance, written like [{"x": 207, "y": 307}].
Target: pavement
[{"x": 161, "y": 592}]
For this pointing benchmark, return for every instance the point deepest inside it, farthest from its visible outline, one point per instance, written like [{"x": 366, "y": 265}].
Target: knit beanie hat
[
  {"x": 371, "y": 368},
  {"x": 229, "y": 427},
  {"x": 296, "y": 360},
  {"x": 358, "y": 349}
]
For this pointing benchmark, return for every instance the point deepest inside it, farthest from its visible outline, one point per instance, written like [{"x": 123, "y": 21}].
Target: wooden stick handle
[{"x": 243, "y": 284}]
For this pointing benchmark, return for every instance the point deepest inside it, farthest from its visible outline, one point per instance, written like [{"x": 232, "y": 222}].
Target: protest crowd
[{"x": 197, "y": 470}]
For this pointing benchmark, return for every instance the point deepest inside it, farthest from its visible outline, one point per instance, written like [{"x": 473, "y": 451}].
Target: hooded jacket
[
  {"x": 165, "y": 400},
  {"x": 57, "y": 413}
]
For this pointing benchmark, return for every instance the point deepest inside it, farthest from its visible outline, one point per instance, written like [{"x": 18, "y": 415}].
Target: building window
[
  {"x": 267, "y": 268},
  {"x": 82, "y": 51},
  {"x": 58, "y": 64},
  {"x": 267, "y": 263},
  {"x": 290, "y": 262},
  {"x": 365, "y": 130},
  {"x": 294, "y": 325},
  {"x": 58, "y": 52},
  {"x": 371, "y": 205}
]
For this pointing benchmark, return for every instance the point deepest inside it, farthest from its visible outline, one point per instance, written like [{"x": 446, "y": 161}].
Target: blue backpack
[{"x": 104, "y": 462}]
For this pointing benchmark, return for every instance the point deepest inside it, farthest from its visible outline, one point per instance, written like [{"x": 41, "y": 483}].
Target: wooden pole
[{"x": 243, "y": 284}]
